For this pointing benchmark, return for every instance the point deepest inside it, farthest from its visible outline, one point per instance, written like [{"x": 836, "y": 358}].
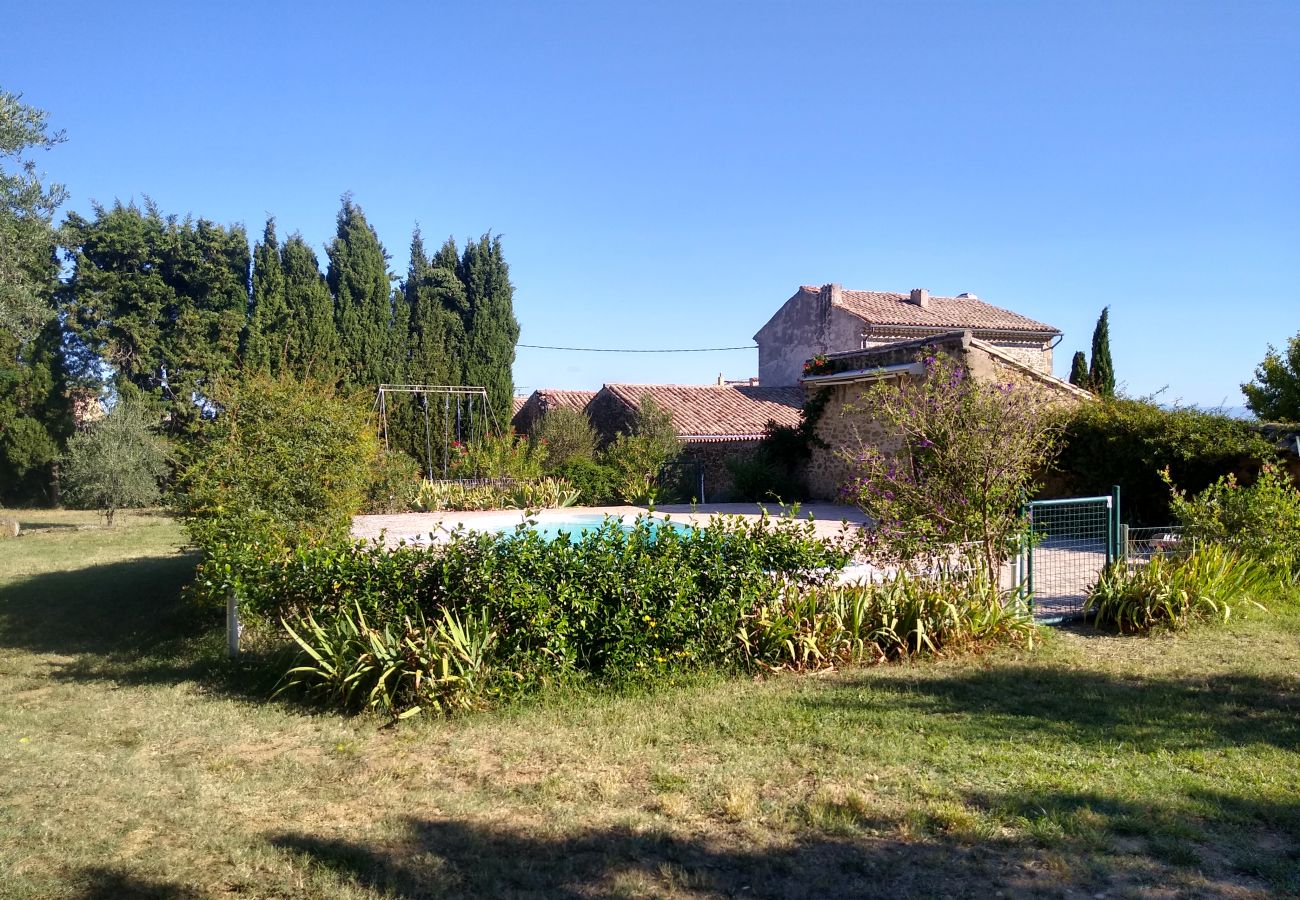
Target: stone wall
[
  {"x": 711, "y": 458},
  {"x": 848, "y": 423},
  {"x": 807, "y": 325}
]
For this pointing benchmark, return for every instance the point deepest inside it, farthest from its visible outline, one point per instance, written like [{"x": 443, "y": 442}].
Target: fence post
[
  {"x": 1114, "y": 522},
  {"x": 1123, "y": 543},
  {"x": 232, "y": 624}
]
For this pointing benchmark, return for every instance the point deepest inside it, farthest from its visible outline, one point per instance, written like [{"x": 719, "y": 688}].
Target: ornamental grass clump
[
  {"x": 1209, "y": 584},
  {"x": 900, "y": 617}
]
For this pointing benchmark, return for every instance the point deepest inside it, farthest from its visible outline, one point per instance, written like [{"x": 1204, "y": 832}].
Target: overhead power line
[{"x": 622, "y": 350}]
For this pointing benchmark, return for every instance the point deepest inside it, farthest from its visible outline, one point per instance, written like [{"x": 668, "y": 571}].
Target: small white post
[{"x": 232, "y": 624}]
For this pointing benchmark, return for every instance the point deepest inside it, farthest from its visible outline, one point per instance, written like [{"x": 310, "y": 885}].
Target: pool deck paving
[{"x": 433, "y": 527}]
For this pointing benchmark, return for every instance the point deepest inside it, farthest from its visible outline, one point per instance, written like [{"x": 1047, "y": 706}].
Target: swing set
[{"x": 466, "y": 416}]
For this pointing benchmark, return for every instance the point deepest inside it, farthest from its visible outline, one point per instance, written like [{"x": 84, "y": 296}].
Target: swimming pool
[{"x": 575, "y": 525}]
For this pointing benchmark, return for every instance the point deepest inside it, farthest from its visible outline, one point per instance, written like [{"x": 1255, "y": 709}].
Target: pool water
[{"x": 574, "y": 527}]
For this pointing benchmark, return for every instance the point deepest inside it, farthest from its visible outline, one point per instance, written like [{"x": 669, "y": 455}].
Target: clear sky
[{"x": 666, "y": 174}]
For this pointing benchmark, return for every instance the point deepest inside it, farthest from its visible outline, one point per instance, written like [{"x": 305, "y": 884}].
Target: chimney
[
  {"x": 921, "y": 297},
  {"x": 837, "y": 294}
]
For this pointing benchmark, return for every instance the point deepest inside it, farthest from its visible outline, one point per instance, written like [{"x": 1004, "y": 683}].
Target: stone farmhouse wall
[
  {"x": 710, "y": 458},
  {"x": 848, "y": 423}
]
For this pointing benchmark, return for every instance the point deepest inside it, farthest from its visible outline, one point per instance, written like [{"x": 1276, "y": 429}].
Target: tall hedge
[{"x": 1127, "y": 442}]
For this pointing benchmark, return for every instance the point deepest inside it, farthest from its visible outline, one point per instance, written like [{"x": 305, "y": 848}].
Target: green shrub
[
  {"x": 544, "y": 493},
  {"x": 1128, "y": 442},
  {"x": 117, "y": 463},
  {"x": 1261, "y": 521},
  {"x": 394, "y": 483},
  {"x": 594, "y": 481},
  {"x": 505, "y": 455},
  {"x": 398, "y": 668},
  {"x": 640, "y": 456},
  {"x": 566, "y": 433},
  {"x": 1207, "y": 584},
  {"x": 610, "y": 604},
  {"x": 761, "y": 480},
  {"x": 283, "y": 464}
]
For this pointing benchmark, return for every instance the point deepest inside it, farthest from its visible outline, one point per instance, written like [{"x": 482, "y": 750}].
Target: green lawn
[{"x": 135, "y": 762}]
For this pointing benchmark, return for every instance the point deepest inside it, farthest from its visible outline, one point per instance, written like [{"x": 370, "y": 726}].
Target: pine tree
[
  {"x": 269, "y": 318},
  {"x": 491, "y": 330},
  {"x": 1101, "y": 375},
  {"x": 358, "y": 279},
  {"x": 313, "y": 345},
  {"x": 1079, "y": 370}
]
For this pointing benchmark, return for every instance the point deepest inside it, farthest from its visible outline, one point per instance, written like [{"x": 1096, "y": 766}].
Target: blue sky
[{"x": 666, "y": 174}]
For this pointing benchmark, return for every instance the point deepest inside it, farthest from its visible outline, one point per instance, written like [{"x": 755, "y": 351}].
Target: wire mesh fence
[{"x": 1140, "y": 544}]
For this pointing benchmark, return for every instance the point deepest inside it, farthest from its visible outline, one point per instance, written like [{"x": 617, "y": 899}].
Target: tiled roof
[
  {"x": 517, "y": 403},
  {"x": 708, "y": 411},
  {"x": 884, "y": 308},
  {"x": 550, "y": 398}
]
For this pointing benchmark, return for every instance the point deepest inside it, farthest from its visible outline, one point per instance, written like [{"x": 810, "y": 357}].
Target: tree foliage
[
  {"x": 1128, "y": 442},
  {"x": 358, "y": 278},
  {"x": 1101, "y": 373},
  {"x": 639, "y": 456},
  {"x": 160, "y": 300},
  {"x": 117, "y": 463},
  {"x": 1274, "y": 393},
  {"x": 1079, "y": 370},
  {"x": 270, "y": 321},
  {"x": 27, "y": 207},
  {"x": 968, "y": 455},
  {"x": 567, "y": 435},
  {"x": 491, "y": 330}
]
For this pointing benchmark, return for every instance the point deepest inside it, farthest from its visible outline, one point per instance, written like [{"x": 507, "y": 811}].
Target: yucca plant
[
  {"x": 398, "y": 669},
  {"x": 1207, "y": 584}
]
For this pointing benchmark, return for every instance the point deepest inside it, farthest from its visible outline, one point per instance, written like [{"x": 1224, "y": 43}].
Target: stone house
[
  {"x": 716, "y": 423},
  {"x": 529, "y": 411},
  {"x": 830, "y": 320},
  {"x": 847, "y": 423}
]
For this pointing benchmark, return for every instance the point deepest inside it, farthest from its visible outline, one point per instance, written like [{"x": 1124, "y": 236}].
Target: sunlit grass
[{"x": 136, "y": 761}]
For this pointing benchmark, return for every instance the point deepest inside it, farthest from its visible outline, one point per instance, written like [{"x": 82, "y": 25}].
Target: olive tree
[{"x": 116, "y": 463}]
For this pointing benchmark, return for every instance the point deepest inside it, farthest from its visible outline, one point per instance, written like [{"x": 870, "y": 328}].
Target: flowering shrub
[{"x": 968, "y": 456}]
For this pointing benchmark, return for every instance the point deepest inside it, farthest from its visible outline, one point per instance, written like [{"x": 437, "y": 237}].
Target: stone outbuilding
[
  {"x": 529, "y": 411},
  {"x": 830, "y": 320},
  {"x": 717, "y": 423}
]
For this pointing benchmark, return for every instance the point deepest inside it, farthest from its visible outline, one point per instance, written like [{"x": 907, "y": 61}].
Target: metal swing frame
[{"x": 466, "y": 397}]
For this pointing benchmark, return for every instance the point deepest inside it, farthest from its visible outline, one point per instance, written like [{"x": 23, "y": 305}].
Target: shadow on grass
[
  {"x": 1086, "y": 707},
  {"x": 113, "y": 884},
  {"x": 129, "y": 622},
  {"x": 460, "y": 859}
]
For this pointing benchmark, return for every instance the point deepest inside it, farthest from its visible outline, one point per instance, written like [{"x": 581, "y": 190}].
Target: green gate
[{"x": 1072, "y": 540}]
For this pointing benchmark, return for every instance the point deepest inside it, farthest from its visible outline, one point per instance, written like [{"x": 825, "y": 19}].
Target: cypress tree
[
  {"x": 269, "y": 319},
  {"x": 1102, "y": 373},
  {"x": 358, "y": 279},
  {"x": 313, "y": 344},
  {"x": 491, "y": 330},
  {"x": 435, "y": 298},
  {"x": 1079, "y": 370}
]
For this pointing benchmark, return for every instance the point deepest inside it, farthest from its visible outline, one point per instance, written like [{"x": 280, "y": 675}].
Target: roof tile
[{"x": 703, "y": 411}]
